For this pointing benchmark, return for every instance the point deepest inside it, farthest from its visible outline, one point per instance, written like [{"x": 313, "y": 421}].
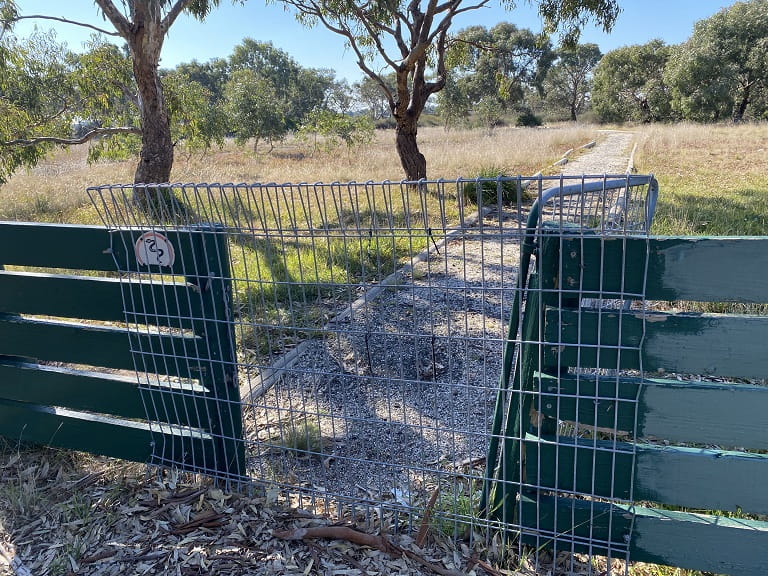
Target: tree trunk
[
  {"x": 741, "y": 107},
  {"x": 144, "y": 30},
  {"x": 411, "y": 159},
  {"x": 156, "y": 156}
]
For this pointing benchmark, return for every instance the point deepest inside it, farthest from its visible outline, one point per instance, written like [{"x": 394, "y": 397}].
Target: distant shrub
[
  {"x": 385, "y": 123},
  {"x": 494, "y": 182},
  {"x": 528, "y": 119}
]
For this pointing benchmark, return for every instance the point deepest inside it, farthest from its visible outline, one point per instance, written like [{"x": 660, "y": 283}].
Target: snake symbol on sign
[{"x": 154, "y": 249}]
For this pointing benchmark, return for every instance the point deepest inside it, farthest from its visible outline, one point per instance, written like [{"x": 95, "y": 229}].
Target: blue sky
[{"x": 639, "y": 22}]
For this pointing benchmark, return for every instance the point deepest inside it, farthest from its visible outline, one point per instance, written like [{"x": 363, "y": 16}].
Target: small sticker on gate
[{"x": 154, "y": 249}]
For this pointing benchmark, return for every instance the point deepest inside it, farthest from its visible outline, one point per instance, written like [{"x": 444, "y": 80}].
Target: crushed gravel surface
[{"x": 389, "y": 405}]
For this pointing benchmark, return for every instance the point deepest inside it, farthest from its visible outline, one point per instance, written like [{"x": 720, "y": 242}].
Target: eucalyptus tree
[
  {"x": 254, "y": 108},
  {"x": 629, "y": 86},
  {"x": 269, "y": 94},
  {"x": 212, "y": 75},
  {"x": 722, "y": 70},
  {"x": 298, "y": 89},
  {"x": 491, "y": 70},
  {"x": 569, "y": 81},
  {"x": 36, "y": 89},
  {"x": 143, "y": 26},
  {"x": 410, "y": 38}
]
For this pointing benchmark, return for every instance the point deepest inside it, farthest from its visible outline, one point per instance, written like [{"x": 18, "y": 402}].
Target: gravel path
[
  {"x": 401, "y": 395},
  {"x": 398, "y": 397},
  {"x": 611, "y": 155}
]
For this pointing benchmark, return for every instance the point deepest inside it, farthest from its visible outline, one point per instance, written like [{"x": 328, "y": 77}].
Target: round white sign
[{"x": 154, "y": 249}]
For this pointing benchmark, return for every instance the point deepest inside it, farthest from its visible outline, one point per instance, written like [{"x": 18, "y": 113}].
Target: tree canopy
[
  {"x": 628, "y": 84},
  {"x": 143, "y": 25},
  {"x": 491, "y": 70},
  {"x": 723, "y": 68},
  {"x": 719, "y": 73},
  {"x": 568, "y": 82},
  {"x": 411, "y": 38}
]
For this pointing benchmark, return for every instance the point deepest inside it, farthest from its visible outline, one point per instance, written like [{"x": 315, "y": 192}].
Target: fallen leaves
[{"x": 90, "y": 515}]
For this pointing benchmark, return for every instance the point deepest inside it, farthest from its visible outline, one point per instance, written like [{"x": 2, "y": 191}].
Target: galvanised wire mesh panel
[{"x": 377, "y": 331}]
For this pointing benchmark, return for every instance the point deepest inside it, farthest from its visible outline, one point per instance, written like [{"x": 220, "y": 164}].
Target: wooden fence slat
[
  {"x": 706, "y": 413},
  {"x": 701, "y": 542},
  {"x": 711, "y": 344},
  {"x": 104, "y": 346},
  {"x": 678, "y": 268},
  {"x": 55, "y": 246},
  {"x": 714, "y": 413},
  {"x": 677, "y": 476},
  {"x": 79, "y": 247},
  {"x": 186, "y": 244},
  {"x": 119, "y": 438},
  {"x": 112, "y": 394},
  {"x": 593, "y": 401},
  {"x": 166, "y": 304}
]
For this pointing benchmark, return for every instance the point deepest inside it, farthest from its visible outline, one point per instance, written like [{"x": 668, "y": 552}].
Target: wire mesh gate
[{"x": 377, "y": 328}]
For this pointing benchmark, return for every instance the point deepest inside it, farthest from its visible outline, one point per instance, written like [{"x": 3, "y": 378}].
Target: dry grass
[
  {"x": 55, "y": 191},
  {"x": 712, "y": 178},
  {"x": 707, "y": 173}
]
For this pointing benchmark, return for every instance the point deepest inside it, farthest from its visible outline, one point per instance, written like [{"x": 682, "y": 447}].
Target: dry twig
[
  {"x": 340, "y": 533},
  {"x": 424, "y": 526},
  {"x": 363, "y": 539}
]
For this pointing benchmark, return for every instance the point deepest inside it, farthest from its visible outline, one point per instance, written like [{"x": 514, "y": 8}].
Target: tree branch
[
  {"x": 456, "y": 9},
  {"x": 349, "y": 35},
  {"x": 46, "y": 119},
  {"x": 119, "y": 21},
  {"x": 173, "y": 13},
  {"x": 67, "y": 21},
  {"x": 71, "y": 141}
]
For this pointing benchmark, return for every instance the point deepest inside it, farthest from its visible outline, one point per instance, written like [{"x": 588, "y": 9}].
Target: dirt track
[{"x": 611, "y": 155}]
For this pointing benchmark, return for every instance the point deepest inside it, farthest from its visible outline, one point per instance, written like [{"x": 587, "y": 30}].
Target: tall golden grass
[
  {"x": 55, "y": 189},
  {"x": 713, "y": 177}
]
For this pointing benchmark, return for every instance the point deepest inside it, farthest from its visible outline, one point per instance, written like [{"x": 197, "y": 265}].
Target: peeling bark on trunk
[
  {"x": 411, "y": 159},
  {"x": 156, "y": 158}
]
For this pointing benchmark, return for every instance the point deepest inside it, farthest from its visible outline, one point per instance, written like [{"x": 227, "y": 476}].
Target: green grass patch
[
  {"x": 686, "y": 207},
  {"x": 494, "y": 187}
]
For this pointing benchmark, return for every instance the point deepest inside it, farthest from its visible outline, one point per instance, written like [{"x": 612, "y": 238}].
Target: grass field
[
  {"x": 55, "y": 190},
  {"x": 713, "y": 178},
  {"x": 712, "y": 181}
]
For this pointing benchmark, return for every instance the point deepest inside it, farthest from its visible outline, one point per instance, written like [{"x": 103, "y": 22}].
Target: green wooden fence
[
  {"x": 677, "y": 475},
  {"x": 104, "y": 351}
]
